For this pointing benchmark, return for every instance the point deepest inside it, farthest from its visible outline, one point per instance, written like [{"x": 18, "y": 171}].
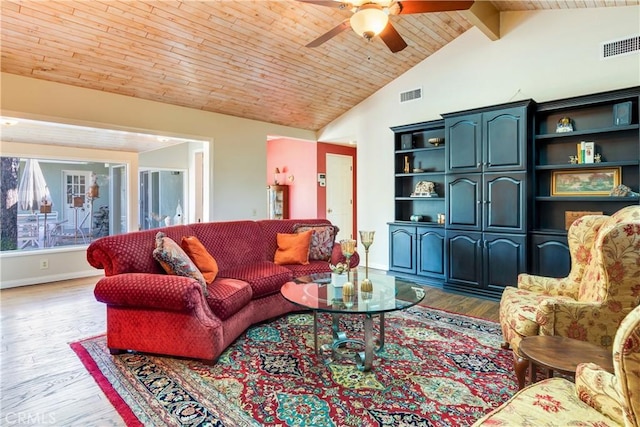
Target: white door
[
  {"x": 340, "y": 193},
  {"x": 77, "y": 209}
]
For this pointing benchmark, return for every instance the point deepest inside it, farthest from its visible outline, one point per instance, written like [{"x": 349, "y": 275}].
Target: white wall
[
  {"x": 238, "y": 163},
  {"x": 542, "y": 55}
]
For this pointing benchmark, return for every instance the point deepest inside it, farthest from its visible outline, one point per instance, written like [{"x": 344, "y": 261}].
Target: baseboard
[{"x": 46, "y": 279}]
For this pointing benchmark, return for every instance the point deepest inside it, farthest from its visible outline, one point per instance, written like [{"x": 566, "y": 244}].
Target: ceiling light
[{"x": 369, "y": 20}]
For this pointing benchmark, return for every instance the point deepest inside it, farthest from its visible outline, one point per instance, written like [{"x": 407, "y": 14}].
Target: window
[
  {"x": 60, "y": 203},
  {"x": 161, "y": 198}
]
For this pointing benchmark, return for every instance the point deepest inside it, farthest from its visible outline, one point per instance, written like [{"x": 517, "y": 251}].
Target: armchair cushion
[{"x": 551, "y": 402}]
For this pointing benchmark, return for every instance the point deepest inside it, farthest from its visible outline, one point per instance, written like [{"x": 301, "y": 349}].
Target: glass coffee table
[{"x": 316, "y": 293}]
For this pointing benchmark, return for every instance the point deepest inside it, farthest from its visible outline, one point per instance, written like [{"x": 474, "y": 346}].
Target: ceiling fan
[{"x": 371, "y": 18}]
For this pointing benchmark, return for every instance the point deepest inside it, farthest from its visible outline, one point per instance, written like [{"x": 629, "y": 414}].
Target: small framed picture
[{"x": 585, "y": 182}]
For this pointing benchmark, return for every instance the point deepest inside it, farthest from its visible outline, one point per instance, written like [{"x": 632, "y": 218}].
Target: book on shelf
[
  {"x": 585, "y": 151},
  {"x": 589, "y": 151},
  {"x": 580, "y": 152}
]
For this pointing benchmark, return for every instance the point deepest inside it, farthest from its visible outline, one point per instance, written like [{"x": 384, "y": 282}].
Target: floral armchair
[
  {"x": 589, "y": 304},
  {"x": 598, "y": 398}
]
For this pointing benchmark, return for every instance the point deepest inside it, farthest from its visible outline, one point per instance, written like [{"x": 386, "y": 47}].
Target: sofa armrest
[
  {"x": 336, "y": 257},
  {"x": 600, "y": 390},
  {"x": 154, "y": 291}
]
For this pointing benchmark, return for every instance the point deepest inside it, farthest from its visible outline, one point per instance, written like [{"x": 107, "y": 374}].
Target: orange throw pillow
[
  {"x": 201, "y": 257},
  {"x": 293, "y": 248}
]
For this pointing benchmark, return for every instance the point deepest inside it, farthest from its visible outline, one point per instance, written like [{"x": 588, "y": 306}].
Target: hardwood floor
[{"x": 42, "y": 380}]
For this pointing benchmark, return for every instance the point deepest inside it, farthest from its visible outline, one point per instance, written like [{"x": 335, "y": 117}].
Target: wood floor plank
[{"x": 42, "y": 381}]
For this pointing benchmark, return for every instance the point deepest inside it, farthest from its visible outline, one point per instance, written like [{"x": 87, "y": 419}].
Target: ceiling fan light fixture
[{"x": 369, "y": 21}]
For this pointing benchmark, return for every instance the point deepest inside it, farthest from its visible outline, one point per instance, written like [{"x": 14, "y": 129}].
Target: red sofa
[{"x": 153, "y": 312}]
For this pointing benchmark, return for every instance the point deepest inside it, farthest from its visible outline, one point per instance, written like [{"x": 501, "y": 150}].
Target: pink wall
[
  {"x": 304, "y": 160},
  {"x": 298, "y": 159}
]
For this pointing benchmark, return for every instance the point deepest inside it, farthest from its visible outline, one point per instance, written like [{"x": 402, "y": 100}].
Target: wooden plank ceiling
[{"x": 238, "y": 57}]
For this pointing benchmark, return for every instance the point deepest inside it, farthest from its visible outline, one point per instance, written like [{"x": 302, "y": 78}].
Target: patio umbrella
[{"x": 33, "y": 190}]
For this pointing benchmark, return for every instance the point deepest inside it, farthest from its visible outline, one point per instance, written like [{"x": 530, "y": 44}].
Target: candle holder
[
  {"x": 348, "y": 294},
  {"x": 366, "y": 238},
  {"x": 348, "y": 247}
]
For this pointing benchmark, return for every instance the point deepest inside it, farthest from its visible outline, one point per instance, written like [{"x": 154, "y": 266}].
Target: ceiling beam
[{"x": 486, "y": 17}]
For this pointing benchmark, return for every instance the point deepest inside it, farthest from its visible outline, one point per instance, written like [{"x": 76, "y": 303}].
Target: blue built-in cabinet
[{"x": 494, "y": 213}]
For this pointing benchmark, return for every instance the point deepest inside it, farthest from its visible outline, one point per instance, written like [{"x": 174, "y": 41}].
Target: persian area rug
[{"x": 436, "y": 369}]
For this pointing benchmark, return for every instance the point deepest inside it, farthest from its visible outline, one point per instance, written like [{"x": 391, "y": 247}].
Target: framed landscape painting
[{"x": 585, "y": 182}]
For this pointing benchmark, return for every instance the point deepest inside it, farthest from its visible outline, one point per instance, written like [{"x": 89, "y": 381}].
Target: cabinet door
[
  {"x": 504, "y": 257},
  {"x": 431, "y": 252},
  {"x": 550, "y": 255},
  {"x": 463, "y": 143},
  {"x": 402, "y": 250},
  {"x": 505, "y": 201},
  {"x": 505, "y": 139},
  {"x": 464, "y": 258},
  {"x": 464, "y": 201}
]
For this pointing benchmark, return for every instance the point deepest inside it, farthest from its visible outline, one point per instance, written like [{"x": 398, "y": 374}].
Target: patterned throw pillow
[
  {"x": 322, "y": 240},
  {"x": 175, "y": 261},
  {"x": 293, "y": 248}
]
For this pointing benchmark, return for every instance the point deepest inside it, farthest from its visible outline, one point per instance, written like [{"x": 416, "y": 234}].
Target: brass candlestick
[
  {"x": 348, "y": 247},
  {"x": 366, "y": 238}
]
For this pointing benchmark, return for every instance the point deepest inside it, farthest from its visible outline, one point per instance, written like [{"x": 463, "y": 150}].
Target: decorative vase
[{"x": 338, "y": 280}]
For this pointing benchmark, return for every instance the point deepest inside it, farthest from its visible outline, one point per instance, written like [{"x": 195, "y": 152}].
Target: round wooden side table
[{"x": 562, "y": 354}]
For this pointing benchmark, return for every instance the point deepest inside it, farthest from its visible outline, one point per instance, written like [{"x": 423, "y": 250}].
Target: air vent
[
  {"x": 620, "y": 47},
  {"x": 410, "y": 95}
]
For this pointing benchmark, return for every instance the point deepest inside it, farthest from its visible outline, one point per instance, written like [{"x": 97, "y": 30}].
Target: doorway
[
  {"x": 77, "y": 209},
  {"x": 162, "y": 198},
  {"x": 340, "y": 193}
]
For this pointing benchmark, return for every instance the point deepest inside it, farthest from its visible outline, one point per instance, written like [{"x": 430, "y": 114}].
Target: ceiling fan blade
[
  {"x": 417, "y": 6},
  {"x": 392, "y": 38},
  {"x": 345, "y": 25},
  {"x": 329, "y": 3}
]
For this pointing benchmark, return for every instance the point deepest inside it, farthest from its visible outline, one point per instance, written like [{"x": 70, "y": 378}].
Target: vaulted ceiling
[{"x": 238, "y": 57}]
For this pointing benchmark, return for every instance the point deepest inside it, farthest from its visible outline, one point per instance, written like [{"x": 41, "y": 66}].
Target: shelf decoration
[
  {"x": 436, "y": 142},
  {"x": 586, "y": 182},
  {"x": 564, "y": 125},
  {"x": 623, "y": 191},
  {"x": 425, "y": 189}
]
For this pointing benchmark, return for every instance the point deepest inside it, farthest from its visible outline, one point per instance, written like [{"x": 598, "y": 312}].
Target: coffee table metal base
[{"x": 364, "y": 359}]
